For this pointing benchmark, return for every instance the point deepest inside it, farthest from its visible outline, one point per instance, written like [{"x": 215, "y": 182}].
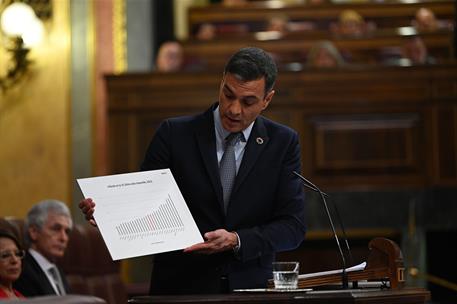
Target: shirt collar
[
  {"x": 44, "y": 263},
  {"x": 222, "y": 133}
]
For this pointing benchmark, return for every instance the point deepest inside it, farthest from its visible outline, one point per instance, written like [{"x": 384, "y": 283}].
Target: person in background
[
  {"x": 234, "y": 168},
  {"x": 206, "y": 32},
  {"x": 170, "y": 57},
  {"x": 11, "y": 255},
  {"x": 415, "y": 50},
  {"x": 47, "y": 228},
  {"x": 352, "y": 24},
  {"x": 233, "y": 2},
  {"x": 279, "y": 23},
  {"x": 426, "y": 21},
  {"x": 324, "y": 54}
]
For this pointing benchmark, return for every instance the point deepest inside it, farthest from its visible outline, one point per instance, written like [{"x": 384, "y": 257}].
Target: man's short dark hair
[{"x": 252, "y": 63}]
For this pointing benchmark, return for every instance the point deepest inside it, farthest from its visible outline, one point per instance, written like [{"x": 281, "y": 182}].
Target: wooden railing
[
  {"x": 294, "y": 46},
  {"x": 255, "y": 15}
]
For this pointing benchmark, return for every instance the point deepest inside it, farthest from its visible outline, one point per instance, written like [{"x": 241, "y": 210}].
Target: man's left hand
[{"x": 216, "y": 241}]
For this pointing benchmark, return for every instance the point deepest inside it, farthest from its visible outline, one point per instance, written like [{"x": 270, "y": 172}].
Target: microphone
[{"x": 310, "y": 185}]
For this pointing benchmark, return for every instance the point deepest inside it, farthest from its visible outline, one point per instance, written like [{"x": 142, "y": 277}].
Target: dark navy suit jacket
[
  {"x": 33, "y": 281},
  {"x": 266, "y": 208}
]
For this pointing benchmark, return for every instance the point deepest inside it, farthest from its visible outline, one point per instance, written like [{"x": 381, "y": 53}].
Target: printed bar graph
[
  {"x": 141, "y": 213},
  {"x": 165, "y": 219}
]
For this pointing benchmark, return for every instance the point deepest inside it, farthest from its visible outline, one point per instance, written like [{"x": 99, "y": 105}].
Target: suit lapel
[
  {"x": 64, "y": 280},
  {"x": 257, "y": 142},
  {"x": 206, "y": 140},
  {"x": 40, "y": 276}
]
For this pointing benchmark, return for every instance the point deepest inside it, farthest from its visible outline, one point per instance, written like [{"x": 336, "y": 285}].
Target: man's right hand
[{"x": 87, "y": 206}]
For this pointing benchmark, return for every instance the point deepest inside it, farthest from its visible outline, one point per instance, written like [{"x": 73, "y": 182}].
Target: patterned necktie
[
  {"x": 227, "y": 168},
  {"x": 54, "y": 272}
]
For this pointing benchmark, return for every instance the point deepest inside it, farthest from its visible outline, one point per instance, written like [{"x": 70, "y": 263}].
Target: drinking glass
[{"x": 285, "y": 275}]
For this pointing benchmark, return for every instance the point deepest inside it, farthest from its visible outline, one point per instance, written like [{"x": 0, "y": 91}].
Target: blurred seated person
[
  {"x": 282, "y": 25},
  {"x": 279, "y": 23},
  {"x": 233, "y": 2},
  {"x": 170, "y": 57},
  {"x": 318, "y": 2},
  {"x": 47, "y": 228},
  {"x": 11, "y": 255},
  {"x": 351, "y": 23},
  {"x": 415, "y": 50},
  {"x": 206, "y": 32},
  {"x": 324, "y": 54},
  {"x": 426, "y": 21},
  {"x": 412, "y": 51}
]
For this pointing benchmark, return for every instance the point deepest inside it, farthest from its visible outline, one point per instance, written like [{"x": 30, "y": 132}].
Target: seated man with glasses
[
  {"x": 11, "y": 255},
  {"x": 47, "y": 229}
]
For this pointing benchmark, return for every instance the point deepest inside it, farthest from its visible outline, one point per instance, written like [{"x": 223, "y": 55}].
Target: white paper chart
[
  {"x": 141, "y": 213},
  {"x": 165, "y": 219}
]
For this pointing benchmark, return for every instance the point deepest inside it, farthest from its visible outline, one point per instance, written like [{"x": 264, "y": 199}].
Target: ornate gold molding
[{"x": 119, "y": 36}]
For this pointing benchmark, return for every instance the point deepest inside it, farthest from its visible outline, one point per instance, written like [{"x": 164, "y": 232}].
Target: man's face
[
  {"x": 52, "y": 239},
  {"x": 240, "y": 102},
  {"x": 325, "y": 60},
  {"x": 170, "y": 57},
  {"x": 426, "y": 19}
]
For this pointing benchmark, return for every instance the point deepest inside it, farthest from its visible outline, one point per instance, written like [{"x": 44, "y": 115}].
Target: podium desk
[{"x": 365, "y": 296}]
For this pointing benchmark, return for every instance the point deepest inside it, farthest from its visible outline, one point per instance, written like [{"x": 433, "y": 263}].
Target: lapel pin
[{"x": 259, "y": 140}]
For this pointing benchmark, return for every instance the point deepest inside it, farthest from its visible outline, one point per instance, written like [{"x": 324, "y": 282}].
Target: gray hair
[
  {"x": 331, "y": 49},
  {"x": 38, "y": 214}
]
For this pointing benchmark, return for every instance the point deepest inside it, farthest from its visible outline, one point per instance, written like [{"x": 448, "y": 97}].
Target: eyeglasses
[{"x": 5, "y": 255}]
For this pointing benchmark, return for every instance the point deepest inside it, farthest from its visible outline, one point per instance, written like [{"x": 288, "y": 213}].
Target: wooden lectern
[{"x": 384, "y": 263}]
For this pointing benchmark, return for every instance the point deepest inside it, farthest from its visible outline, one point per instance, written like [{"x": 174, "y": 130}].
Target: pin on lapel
[{"x": 259, "y": 140}]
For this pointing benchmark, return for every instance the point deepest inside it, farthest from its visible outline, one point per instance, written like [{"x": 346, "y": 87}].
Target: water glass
[{"x": 285, "y": 275}]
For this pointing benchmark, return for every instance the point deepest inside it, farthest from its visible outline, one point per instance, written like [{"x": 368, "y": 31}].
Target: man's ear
[
  {"x": 267, "y": 99},
  {"x": 33, "y": 233},
  {"x": 222, "y": 81}
]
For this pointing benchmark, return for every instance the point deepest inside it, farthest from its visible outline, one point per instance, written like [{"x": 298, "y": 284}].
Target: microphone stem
[
  {"x": 355, "y": 284},
  {"x": 343, "y": 230},
  {"x": 344, "y": 276},
  {"x": 310, "y": 185}
]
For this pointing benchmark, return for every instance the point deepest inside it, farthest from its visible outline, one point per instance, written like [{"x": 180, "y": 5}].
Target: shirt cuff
[{"x": 238, "y": 246}]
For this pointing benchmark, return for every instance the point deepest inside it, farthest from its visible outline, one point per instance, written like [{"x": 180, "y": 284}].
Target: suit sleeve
[
  {"x": 24, "y": 286},
  {"x": 33, "y": 281},
  {"x": 286, "y": 229}
]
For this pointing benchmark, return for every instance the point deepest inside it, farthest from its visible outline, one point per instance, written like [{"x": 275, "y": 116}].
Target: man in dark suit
[
  {"x": 246, "y": 222},
  {"x": 47, "y": 227}
]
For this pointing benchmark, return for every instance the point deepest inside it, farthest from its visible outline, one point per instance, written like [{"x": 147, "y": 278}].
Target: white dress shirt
[{"x": 46, "y": 265}]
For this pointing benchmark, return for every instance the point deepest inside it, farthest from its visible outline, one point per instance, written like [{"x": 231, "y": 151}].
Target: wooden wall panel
[
  {"x": 118, "y": 148},
  {"x": 447, "y": 135},
  {"x": 366, "y": 144},
  {"x": 371, "y": 128}
]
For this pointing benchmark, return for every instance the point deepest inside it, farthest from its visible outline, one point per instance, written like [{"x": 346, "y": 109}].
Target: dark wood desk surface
[{"x": 372, "y": 296}]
